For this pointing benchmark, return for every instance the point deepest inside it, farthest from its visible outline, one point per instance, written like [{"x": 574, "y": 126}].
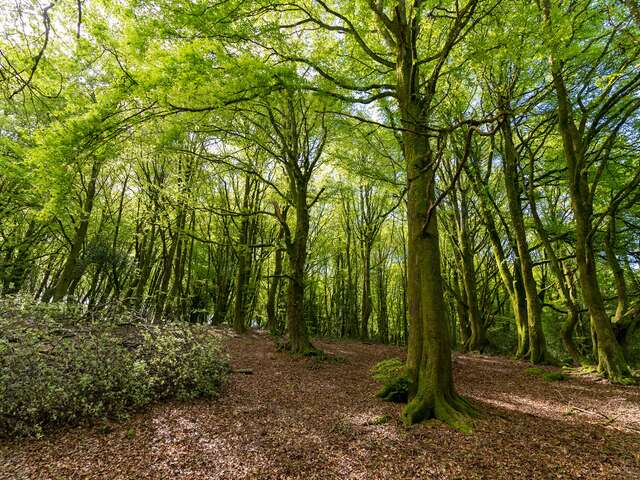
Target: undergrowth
[{"x": 61, "y": 368}]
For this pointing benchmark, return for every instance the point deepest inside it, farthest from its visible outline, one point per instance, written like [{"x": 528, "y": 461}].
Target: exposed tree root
[
  {"x": 396, "y": 391},
  {"x": 623, "y": 379},
  {"x": 304, "y": 350},
  {"x": 453, "y": 410},
  {"x": 616, "y": 370}
]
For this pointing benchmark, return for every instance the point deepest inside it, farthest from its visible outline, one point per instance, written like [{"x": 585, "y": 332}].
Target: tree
[{"x": 579, "y": 145}]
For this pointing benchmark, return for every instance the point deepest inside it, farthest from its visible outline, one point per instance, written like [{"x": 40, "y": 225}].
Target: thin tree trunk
[
  {"x": 71, "y": 272},
  {"x": 367, "y": 304},
  {"x": 477, "y": 340},
  {"x": 274, "y": 287},
  {"x": 537, "y": 344},
  {"x": 611, "y": 361},
  {"x": 511, "y": 281}
]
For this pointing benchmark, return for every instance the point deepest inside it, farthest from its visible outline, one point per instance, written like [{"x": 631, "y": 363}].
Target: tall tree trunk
[
  {"x": 511, "y": 281},
  {"x": 367, "y": 304},
  {"x": 383, "y": 313},
  {"x": 274, "y": 287},
  {"x": 297, "y": 252},
  {"x": 167, "y": 265},
  {"x": 537, "y": 344},
  {"x": 17, "y": 273},
  {"x": 626, "y": 319},
  {"x": 464, "y": 328},
  {"x": 145, "y": 266},
  {"x": 243, "y": 273},
  {"x": 563, "y": 277},
  {"x": 432, "y": 393},
  {"x": 611, "y": 361},
  {"x": 477, "y": 340}
]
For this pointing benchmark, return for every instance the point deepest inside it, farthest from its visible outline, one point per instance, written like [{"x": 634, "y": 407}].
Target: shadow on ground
[{"x": 301, "y": 418}]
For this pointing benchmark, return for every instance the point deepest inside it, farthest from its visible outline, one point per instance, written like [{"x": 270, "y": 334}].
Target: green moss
[
  {"x": 554, "y": 376},
  {"x": 391, "y": 373},
  {"x": 387, "y": 370},
  {"x": 535, "y": 371},
  {"x": 455, "y": 411}
]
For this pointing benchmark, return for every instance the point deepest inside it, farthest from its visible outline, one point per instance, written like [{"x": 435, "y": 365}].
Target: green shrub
[
  {"x": 61, "y": 368},
  {"x": 535, "y": 371}
]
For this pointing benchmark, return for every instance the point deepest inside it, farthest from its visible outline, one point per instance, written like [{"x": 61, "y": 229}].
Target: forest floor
[{"x": 310, "y": 419}]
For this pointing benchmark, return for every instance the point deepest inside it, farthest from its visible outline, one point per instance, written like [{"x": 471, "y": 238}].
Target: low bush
[{"x": 59, "y": 367}]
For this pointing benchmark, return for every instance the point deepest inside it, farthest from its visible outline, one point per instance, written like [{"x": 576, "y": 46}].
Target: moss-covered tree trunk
[
  {"x": 274, "y": 286},
  {"x": 167, "y": 265},
  {"x": 477, "y": 340},
  {"x": 464, "y": 330},
  {"x": 511, "y": 281},
  {"x": 431, "y": 393},
  {"x": 563, "y": 276},
  {"x": 350, "y": 318},
  {"x": 145, "y": 264},
  {"x": 15, "y": 275},
  {"x": 537, "y": 345},
  {"x": 297, "y": 253},
  {"x": 300, "y": 141},
  {"x": 611, "y": 361},
  {"x": 243, "y": 272},
  {"x": 383, "y": 311},
  {"x": 367, "y": 303},
  {"x": 519, "y": 307},
  {"x": 627, "y": 317},
  {"x": 573, "y": 317}
]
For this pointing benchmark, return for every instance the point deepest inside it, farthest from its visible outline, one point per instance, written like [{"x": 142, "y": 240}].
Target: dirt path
[{"x": 300, "y": 418}]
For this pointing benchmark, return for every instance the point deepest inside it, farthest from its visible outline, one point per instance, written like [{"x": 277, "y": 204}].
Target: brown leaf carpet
[{"x": 300, "y": 418}]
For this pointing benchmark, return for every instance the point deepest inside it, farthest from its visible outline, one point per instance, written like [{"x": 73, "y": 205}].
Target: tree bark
[
  {"x": 537, "y": 345},
  {"x": 71, "y": 272},
  {"x": 611, "y": 361},
  {"x": 274, "y": 287},
  {"x": 244, "y": 264},
  {"x": 297, "y": 251},
  {"x": 477, "y": 340},
  {"x": 383, "y": 313},
  {"x": 511, "y": 281},
  {"x": 367, "y": 303}
]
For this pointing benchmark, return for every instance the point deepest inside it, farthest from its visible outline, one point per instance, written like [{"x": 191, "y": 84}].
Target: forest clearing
[
  {"x": 304, "y": 418},
  {"x": 319, "y": 239}
]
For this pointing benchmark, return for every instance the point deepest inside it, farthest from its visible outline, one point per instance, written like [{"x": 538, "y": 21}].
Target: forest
[{"x": 319, "y": 239}]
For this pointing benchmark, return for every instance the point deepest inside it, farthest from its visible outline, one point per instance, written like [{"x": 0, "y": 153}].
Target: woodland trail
[{"x": 310, "y": 419}]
